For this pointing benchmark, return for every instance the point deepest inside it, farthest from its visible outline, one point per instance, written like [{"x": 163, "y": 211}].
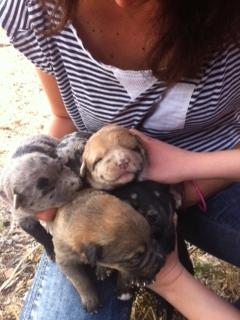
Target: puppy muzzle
[
  {"x": 147, "y": 269},
  {"x": 118, "y": 171}
]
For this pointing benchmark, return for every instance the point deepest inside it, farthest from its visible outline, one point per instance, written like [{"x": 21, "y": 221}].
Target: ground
[{"x": 24, "y": 112}]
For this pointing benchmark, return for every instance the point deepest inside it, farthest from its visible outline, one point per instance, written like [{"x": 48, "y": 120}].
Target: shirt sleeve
[{"x": 23, "y": 21}]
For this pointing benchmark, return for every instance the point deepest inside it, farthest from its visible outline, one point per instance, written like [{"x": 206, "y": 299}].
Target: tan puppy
[
  {"x": 99, "y": 229},
  {"x": 112, "y": 157}
]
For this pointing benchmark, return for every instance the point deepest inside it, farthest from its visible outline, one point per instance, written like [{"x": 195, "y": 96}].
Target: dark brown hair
[{"x": 192, "y": 29}]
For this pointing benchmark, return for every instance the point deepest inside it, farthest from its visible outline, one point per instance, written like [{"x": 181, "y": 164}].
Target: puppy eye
[
  {"x": 59, "y": 166},
  {"x": 42, "y": 183},
  {"x": 96, "y": 162},
  {"x": 136, "y": 149},
  {"x": 138, "y": 256}
]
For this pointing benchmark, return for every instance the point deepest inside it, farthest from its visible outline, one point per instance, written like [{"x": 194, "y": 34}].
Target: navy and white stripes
[{"x": 197, "y": 114}]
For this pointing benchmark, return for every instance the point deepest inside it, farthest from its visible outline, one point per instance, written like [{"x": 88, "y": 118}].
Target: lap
[
  {"x": 216, "y": 231},
  {"x": 53, "y": 297}
]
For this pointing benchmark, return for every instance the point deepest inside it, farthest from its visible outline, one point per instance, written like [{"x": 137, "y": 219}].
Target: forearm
[
  {"x": 169, "y": 164},
  {"x": 195, "y": 301},
  {"x": 208, "y": 187},
  {"x": 211, "y": 165},
  {"x": 59, "y": 126},
  {"x": 60, "y": 122}
]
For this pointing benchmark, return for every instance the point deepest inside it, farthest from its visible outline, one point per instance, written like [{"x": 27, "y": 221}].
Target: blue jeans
[{"x": 217, "y": 231}]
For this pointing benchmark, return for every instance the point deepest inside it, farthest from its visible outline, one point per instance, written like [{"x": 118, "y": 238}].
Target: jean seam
[
  {"x": 35, "y": 290},
  {"x": 216, "y": 222}
]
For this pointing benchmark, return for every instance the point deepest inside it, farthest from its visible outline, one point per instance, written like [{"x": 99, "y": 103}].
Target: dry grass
[
  {"x": 23, "y": 113},
  {"x": 216, "y": 274}
]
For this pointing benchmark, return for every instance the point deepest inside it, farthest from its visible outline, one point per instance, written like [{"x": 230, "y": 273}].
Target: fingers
[
  {"x": 47, "y": 215},
  {"x": 140, "y": 135}
]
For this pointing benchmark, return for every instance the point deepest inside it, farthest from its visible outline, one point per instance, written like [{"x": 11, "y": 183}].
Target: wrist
[
  {"x": 208, "y": 187},
  {"x": 167, "y": 278},
  {"x": 171, "y": 286},
  {"x": 195, "y": 301},
  {"x": 192, "y": 194},
  {"x": 59, "y": 126}
]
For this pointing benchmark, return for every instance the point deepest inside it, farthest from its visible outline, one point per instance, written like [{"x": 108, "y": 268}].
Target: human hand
[
  {"x": 169, "y": 273},
  {"x": 188, "y": 295},
  {"x": 47, "y": 215},
  {"x": 165, "y": 163}
]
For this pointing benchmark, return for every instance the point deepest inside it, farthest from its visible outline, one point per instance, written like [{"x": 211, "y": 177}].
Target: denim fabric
[
  {"x": 217, "y": 231},
  {"x": 52, "y": 297}
]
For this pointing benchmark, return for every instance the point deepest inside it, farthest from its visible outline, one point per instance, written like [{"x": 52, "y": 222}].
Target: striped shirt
[{"x": 196, "y": 114}]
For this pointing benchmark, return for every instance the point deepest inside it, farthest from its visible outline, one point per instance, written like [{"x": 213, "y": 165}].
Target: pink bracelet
[{"x": 202, "y": 203}]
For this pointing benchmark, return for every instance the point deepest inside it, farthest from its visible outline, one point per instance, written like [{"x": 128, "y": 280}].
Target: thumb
[{"x": 142, "y": 136}]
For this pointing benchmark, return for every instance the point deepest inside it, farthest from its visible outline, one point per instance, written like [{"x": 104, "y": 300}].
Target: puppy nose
[
  {"x": 80, "y": 184},
  {"x": 123, "y": 164}
]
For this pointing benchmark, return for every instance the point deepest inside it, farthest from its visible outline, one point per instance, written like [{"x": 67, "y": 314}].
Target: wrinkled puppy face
[
  {"x": 35, "y": 182},
  {"x": 134, "y": 253},
  {"x": 112, "y": 157},
  {"x": 138, "y": 264},
  {"x": 119, "y": 238}
]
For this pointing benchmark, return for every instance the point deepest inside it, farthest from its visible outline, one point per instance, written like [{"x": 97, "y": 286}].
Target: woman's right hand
[
  {"x": 170, "y": 164},
  {"x": 165, "y": 163}
]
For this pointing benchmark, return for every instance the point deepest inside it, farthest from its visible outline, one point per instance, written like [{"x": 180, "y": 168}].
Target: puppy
[
  {"x": 95, "y": 228},
  {"x": 70, "y": 149},
  {"x": 35, "y": 179},
  {"x": 111, "y": 160},
  {"x": 158, "y": 203},
  {"x": 99, "y": 229},
  {"x": 112, "y": 157},
  {"x": 152, "y": 200}
]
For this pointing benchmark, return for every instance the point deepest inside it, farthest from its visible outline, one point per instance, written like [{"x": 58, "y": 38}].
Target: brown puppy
[
  {"x": 112, "y": 157},
  {"x": 99, "y": 229},
  {"x": 95, "y": 228}
]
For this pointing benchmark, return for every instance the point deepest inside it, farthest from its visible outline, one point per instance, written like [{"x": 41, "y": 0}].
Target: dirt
[{"x": 24, "y": 112}]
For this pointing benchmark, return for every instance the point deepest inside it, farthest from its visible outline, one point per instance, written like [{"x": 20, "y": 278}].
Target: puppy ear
[
  {"x": 143, "y": 152},
  {"x": 140, "y": 145},
  {"x": 92, "y": 253},
  {"x": 17, "y": 200},
  {"x": 83, "y": 169},
  {"x": 2, "y": 195},
  {"x": 176, "y": 192}
]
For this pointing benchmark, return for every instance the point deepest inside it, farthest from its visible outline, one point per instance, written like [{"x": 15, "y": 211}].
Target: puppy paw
[
  {"x": 91, "y": 303},
  {"x": 124, "y": 296},
  {"x": 123, "y": 290},
  {"x": 51, "y": 256},
  {"x": 103, "y": 273}
]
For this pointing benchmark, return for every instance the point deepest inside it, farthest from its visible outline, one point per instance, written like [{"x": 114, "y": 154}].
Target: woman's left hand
[
  {"x": 165, "y": 163},
  {"x": 47, "y": 215}
]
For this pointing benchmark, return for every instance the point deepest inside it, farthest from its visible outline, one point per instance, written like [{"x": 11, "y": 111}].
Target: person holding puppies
[{"x": 169, "y": 69}]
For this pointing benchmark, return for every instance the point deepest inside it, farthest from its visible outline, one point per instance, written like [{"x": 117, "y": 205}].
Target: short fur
[
  {"x": 36, "y": 179},
  {"x": 156, "y": 202},
  {"x": 112, "y": 157},
  {"x": 98, "y": 229}
]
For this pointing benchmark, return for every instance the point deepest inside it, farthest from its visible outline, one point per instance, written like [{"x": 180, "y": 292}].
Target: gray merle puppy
[{"x": 41, "y": 174}]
